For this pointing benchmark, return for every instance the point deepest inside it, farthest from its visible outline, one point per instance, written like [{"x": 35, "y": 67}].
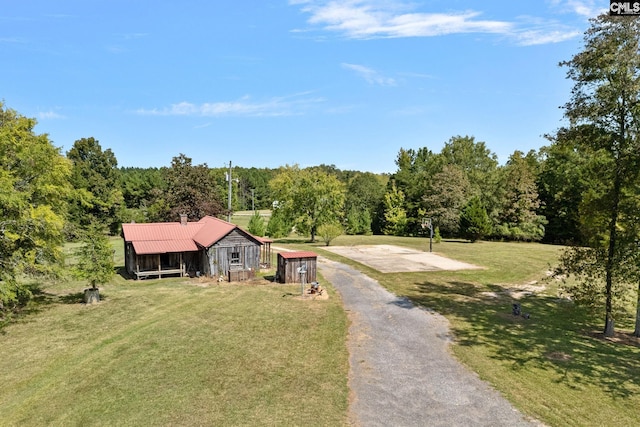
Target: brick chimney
[{"x": 183, "y": 219}]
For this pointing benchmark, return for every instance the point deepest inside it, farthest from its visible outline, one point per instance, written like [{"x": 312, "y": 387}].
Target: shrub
[
  {"x": 257, "y": 227},
  {"x": 330, "y": 231}
]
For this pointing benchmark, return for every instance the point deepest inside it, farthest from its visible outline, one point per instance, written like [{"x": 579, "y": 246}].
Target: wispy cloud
[
  {"x": 278, "y": 106},
  {"x": 50, "y": 115},
  {"x": 366, "y": 19},
  {"x": 12, "y": 40},
  {"x": 370, "y": 75},
  {"x": 584, "y": 8}
]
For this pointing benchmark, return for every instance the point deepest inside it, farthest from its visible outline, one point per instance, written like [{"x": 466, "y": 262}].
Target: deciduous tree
[
  {"x": 34, "y": 189},
  {"x": 191, "y": 190},
  {"x": 447, "y": 193},
  {"x": 395, "y": 215},
  {"x": 605, "y": 105},
  {"x": 308, "y": 198}
]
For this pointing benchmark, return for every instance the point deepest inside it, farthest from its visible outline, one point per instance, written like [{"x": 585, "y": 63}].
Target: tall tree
[
  {"x": 95, "y": 176},
  {"x": 95, "y": 257},
  {"x": 415, "y": 168},
  {"x": 34, "y": 189},
  {"x": 395, "y": 215},
  {"x": 474, "y": 221},
  {"x": 605, "y": 101},
  {"x": 448, "y": 192},
  {"x": 518, "y": 216},
  {"x": 562, "y": 181},
  {"x": 308, "y": 198},
  {"x": 365, "y": 192},
  {"x": 191, "y": 190}
]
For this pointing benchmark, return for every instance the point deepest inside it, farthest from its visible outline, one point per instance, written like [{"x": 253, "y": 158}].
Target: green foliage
[
  {"x": 138, "y": 185},
  {"x": 34, "y": 189},
  {"x": 308, "y": 198},
  {"x": 329, "y": 231},
  {"x": 447, "y": 193},
  {"x": 257, "y": 226},
  {"x": 95, "y": 178},
  {"x": 437, "y": 238},
  {"x": 278, "y": 225},
  {"x": 95, "y": 262},
  {"x": 474, "y": 221},
  {"x": 518, "y": 216},
  {"x": 562, "y": 181},
  {"x": 365, "y": 193},
  {"x": 358, "y": 221},
  {"x": 395, "y": 215},
  {"x": 191, "y": 190},
  {"x": 605, "y": 122},
  {"x": 252, "y": 190}
]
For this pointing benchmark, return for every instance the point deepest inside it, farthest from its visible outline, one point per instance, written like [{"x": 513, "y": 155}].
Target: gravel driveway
[{"x": 401, "y": 373}]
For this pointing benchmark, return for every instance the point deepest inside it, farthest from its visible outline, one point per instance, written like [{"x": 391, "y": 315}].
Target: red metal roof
[
  {"x": 171, "y": 237},
  {"x": 213, "y": 230},
  {"x": 163, "y": 247},
  {"x": 298, "y": 254}
]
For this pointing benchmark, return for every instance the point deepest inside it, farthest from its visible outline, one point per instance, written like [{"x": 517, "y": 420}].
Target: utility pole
[{"x": 229, "y": 195}]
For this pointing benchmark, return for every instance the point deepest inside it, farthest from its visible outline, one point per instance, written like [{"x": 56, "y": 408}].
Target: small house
[
  {"x": 209, "y": 247},
  {"x": 297, "y": 267}
]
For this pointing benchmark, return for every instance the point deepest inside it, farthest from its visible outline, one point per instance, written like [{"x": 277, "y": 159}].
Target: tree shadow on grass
[{"x": 557, "y": 336}]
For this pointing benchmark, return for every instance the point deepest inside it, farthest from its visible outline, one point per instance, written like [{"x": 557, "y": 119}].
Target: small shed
[{"x": 291, "y": 264}]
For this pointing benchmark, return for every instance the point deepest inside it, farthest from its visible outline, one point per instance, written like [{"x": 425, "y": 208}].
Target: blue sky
[{"x": 275, "y": 82}]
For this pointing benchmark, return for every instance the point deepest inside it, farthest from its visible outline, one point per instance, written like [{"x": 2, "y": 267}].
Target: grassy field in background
[
  {"x": 553, "y": 366},
  {"x": 242, "y": 218},
  {"x": 175, "y": 352}
]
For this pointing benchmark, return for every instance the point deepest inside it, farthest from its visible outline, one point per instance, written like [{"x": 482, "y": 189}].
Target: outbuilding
[{"x": 294, "y": 267}]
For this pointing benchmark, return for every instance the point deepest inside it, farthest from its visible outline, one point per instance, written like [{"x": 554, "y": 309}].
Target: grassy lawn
[
  {"x": 175, "y": 352},
  {"x": 552, "y": 366},
  {"x": 186, "y": 352},
  {"x": 242, "y": 218}
]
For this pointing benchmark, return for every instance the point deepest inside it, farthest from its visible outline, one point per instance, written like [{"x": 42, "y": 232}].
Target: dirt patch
[
  {"x": 516, "y": 292},
  {"x": 624, "y": 338},
  {"x": 395, "y": 259},
  {"x": 558, "y": 356}
]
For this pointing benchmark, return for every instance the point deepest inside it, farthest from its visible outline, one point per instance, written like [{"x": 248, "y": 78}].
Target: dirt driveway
[
  {"x": 395, "y": 259},
  {"x": 401, "y": 372}
]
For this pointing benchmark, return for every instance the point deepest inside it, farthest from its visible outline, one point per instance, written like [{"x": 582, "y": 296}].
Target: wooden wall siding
[
  {"x": 288, "y": 269},
  {"x": 129, "y": 258},
  {"x": 219, "y": 255}
]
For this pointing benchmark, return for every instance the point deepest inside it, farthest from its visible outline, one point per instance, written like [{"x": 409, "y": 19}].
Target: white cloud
[
  {"x": 50, "y": 115},
  {"x": 584, "y": 8},
  {"x": 278, "y": 106},
  {"x": 370, "y": 75},
  {"x": 537, "y": 37},
  {"x": 369, "y": 19},
  {"x": 366, "y": 19}
]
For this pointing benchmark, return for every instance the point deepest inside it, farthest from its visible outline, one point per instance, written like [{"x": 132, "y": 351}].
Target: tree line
[{"x": 581, "y": 189}]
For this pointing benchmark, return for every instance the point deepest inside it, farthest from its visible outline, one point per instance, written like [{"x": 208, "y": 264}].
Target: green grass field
[
  {"x": 553, "y": 366},
  {"x": 185, "y": 352},
  {"x": 175, "y": 352}
]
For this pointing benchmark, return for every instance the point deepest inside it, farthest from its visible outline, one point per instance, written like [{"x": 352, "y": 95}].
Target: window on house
[{"x": 235, "y": 257}]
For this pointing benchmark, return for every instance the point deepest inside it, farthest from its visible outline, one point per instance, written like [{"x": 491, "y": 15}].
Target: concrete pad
[{"x": 395, "y": 259}]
